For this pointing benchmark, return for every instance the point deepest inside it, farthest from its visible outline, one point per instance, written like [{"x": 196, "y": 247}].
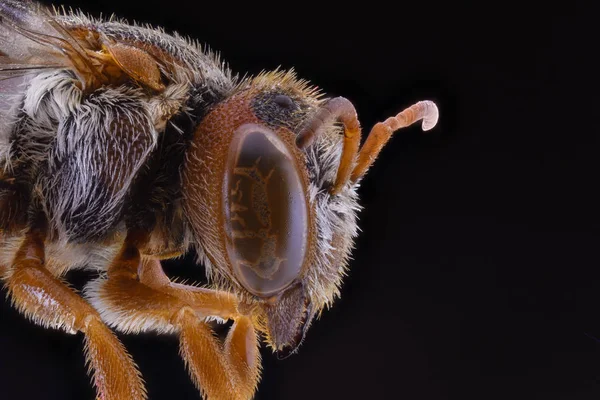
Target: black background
[{"x": 475, "y": 275}]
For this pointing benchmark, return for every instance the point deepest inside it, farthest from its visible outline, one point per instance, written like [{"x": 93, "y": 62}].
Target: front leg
[
  {"x": 46, "y": 300},
  {"x": 138, "y": 296},
  {"x": 220, "y": 372}
]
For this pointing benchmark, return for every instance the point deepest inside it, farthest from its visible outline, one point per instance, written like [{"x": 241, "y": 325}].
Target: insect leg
[
  {"x": 47, "y": 301},
  {"x": 241, "y": 345},
  {"x": 382, "y": 131},
  {"x": 138, "y": 296},
  {"x": 229, "y": 372}
]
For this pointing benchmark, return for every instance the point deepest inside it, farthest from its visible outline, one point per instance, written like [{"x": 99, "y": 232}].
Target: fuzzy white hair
[{"x": 75, "y": 139}]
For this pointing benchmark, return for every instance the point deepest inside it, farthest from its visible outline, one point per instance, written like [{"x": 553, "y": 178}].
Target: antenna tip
[{"x": 431, "y": 114}]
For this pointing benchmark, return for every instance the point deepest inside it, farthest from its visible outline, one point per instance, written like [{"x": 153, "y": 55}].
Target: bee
[{"x": 122, "y": 145}]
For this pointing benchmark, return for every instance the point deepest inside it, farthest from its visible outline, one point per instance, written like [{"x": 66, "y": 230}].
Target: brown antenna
[
  {"x": 340, "y": 109},
  {"x": 382, "y": 131}
]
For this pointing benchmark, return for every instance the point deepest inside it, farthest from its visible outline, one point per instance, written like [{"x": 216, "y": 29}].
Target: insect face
[
  {"x": 270, "y": 186},
  {"x": 247, "y": 189}
]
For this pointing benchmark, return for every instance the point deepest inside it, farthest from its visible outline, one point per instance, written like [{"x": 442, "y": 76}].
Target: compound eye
[{"x": 266, "y": 213}]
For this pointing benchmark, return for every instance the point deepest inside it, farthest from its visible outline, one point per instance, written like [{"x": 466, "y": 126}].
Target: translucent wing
[{"x": 31, "y": 39}]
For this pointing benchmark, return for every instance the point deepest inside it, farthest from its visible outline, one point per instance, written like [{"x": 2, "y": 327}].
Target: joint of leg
[
  {"x": 183, "y": 316},
  {"x": 122, "y": 272},
  {"x": 32, "y": 249},
  {"x": 26, "y": 269},
  {"x": 137, "y": 238},
  {"x": 127, "y": 264},
  {"x": 129, "y": 253},
  {"x": 85, "y": 323}
]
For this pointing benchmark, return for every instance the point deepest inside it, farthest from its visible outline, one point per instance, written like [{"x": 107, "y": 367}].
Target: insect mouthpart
[
  {"x": 288, "y": 320},
  {"x": 292, "y": 347}
]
